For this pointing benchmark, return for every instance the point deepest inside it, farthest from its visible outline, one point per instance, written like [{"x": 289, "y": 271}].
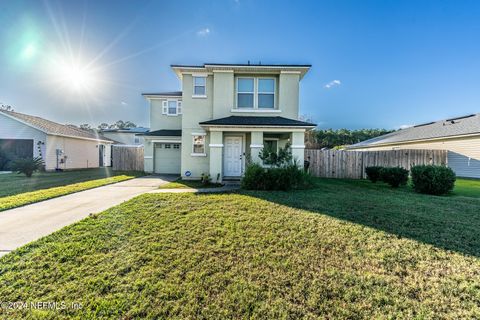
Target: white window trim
[
  {"x": 237, "y": 92},
  {"x": 262, "y": 110},
  {"x": 255, "y": 96},
  {"x": 274, "y": 92},
  {"x": 201, "y": 96},
  {"x": 176, "y": 109},
  {"x": 203, "y": 154}
]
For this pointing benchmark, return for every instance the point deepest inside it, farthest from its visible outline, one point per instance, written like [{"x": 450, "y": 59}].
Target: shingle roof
[
  {"x": 54, "y": 128},
  {"x": 163, "y": 133},
  {"x": 164, "y": 94},
  {"x": 258, "y": 121},
  {"x": 445, "y": 128}
]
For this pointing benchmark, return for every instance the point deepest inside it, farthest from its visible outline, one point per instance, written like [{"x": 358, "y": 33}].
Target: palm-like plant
[{"x": 27, "y": 166}]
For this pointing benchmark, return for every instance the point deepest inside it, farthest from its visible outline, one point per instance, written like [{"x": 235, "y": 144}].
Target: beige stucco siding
[
  {"x": 162, "y": 121},
  {"x": 79, "y": 153},
  {"x": 195, "y": 110},
  {"x": 13, "y": 129}
]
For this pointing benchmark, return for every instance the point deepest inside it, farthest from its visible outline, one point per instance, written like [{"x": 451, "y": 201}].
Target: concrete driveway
[{"x": 22, "y": 225}]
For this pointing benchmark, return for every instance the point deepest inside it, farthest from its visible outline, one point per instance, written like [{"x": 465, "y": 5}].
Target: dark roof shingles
[
  {"x": 163, "y": 133},
  {"x": 257, "y": 121}
]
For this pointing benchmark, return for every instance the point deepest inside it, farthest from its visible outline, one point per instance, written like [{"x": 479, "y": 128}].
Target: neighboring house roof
[
  {"x": 163, "y": 133},
  {"x": 302, "y": 69},
  {"x": 163, "y": 94},
  {"x": 466, "y": 125},
  {"x": 53, "y": 128},
  {"x": 127, "y": 130},
  {"x": 257, "y": 121}
]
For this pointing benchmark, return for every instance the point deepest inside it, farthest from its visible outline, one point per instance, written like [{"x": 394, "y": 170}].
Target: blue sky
[{"x": 376, "y": 64}]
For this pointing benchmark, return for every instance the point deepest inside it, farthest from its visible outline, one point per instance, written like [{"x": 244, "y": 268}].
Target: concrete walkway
[{"x": 22, "y": 225}]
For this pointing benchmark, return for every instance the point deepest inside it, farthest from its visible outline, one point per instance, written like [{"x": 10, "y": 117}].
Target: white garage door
[
  {"x": 167, "y": 158},
  {"x": 464, "y": 166}
]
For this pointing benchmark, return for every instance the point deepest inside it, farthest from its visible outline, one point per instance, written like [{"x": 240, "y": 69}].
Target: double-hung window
[
  {"x": 172, "y": 107},
  {"x": 255, "y": 93},
  {"x": 199, "y": 86},
  {"x": 266, "y": 93},
  {"x": 245, "y": 92},
  {"x": 198, "y": 145}
]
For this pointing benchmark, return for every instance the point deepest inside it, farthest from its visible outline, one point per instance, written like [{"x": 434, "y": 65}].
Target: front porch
[{"x": 231, "y": 149}]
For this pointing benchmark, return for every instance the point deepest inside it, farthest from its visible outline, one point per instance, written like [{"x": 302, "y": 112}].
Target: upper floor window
[
  {"x": 256, "y": 93},
  {"x": 200, "y": 86},
  {"x": 266, "y": 93},
  {"x": 172, "y": 107},
  {"x": 245, "y": 92}
]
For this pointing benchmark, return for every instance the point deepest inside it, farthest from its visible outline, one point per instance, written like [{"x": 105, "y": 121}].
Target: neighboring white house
[
  {"x": 460, "y": 136},
  {"x": 60, "y": 146},
  {"x": 225, "y": 114},
  {"x": 128, "y": 136}
]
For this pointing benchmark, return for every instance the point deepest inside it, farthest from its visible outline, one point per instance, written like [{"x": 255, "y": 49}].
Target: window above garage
[{"x": 172, "y": 107}]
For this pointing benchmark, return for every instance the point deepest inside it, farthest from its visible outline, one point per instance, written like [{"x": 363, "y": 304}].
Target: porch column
[
  {"x": 256, "y": 144},
  {"x": 216, "y": 151},
  {"x": 298, "y": 147}
]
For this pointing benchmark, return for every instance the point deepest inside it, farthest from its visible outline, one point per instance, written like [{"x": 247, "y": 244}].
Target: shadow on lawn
[{"x": 451, "y": 223}]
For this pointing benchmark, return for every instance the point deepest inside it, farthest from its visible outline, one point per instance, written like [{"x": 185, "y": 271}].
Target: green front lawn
[
  {"x": 53, "y": 184},
  {"x": 346, "y": 249},
  {"x": 12, "y": 183},
  {"x": 467, "y": 188},
  {"x": 189, "y": 184}
]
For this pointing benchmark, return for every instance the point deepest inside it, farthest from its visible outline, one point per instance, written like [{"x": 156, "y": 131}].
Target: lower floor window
[
  {"x": 270, "y": 145},
  {"x": 199, "y": 144}
]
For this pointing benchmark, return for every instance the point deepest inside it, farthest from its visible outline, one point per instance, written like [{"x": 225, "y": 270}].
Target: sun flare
[{"x": 76, "y": 77}]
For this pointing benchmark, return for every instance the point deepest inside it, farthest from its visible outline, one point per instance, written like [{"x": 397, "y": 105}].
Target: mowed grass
[
  {"x": 42, "y": 184},
  {"x": 342, "y": 250},
  {"x": 13, "y": 183},
  {"x": 189, "y": 184},
  {"x": 467, "y": 187}
]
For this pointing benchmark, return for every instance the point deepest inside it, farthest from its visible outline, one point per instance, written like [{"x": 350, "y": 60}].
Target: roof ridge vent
[
  {"x": 424, "y": 124},
  {"x": 458, "y": 118}
]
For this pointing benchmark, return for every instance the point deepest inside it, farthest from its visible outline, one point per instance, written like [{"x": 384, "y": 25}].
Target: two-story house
[{"x": 224, "y": 115}]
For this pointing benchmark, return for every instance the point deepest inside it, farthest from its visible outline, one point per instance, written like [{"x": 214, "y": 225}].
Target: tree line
[{"x": 329, "y": 138}]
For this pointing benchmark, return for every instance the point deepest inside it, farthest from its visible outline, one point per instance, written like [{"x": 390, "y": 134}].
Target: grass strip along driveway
[
  {"x": 25, "y": 198},
  {"x": 13, "y": 183},
  {"x": 341, "y": 250}
]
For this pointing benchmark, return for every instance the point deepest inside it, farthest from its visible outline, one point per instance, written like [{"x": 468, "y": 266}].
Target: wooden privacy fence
[
  {"x": 127, "y": 158},
  {"x": 352, "y": 164}
]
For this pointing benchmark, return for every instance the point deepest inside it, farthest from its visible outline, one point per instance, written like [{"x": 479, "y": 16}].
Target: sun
[{"x": 76, "y": 77}]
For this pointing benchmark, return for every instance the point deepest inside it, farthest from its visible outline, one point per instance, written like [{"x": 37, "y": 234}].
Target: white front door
[{"x": 232, "y": 157}]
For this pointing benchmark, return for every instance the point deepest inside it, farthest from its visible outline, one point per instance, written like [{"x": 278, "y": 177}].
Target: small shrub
[
  {"x": 284, "y": 178},
  {"x": 373, "y": 173},
  {"x": 437, "y": 180},
  {"x": 253, "y": 178},
  {"x": 27, "y": 166},
  {"x": 205, "y": 179},
  {"x": 271, "y": 157},
  {"x": 394, "y": 176}
]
